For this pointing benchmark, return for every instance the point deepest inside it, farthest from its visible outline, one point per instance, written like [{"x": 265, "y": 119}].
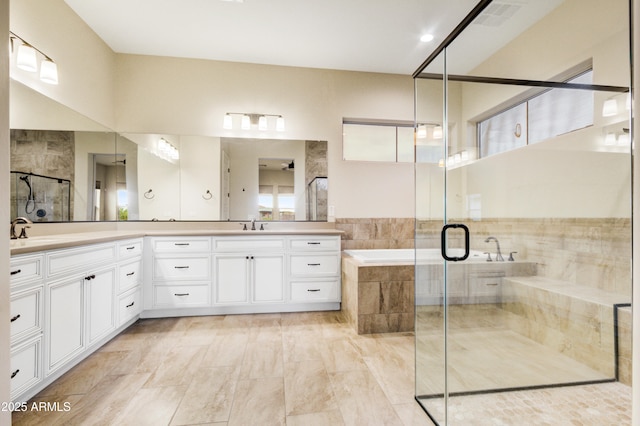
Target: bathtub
[{"x": 408, "y": 255}]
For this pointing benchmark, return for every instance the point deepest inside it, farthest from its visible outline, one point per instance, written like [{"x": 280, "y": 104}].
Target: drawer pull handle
[
  {"x": 131, "y": 248},
  {"x": 492, "y": 284},
  {"x": 313, "y": 290},
  {"x": 181, "y": 244},
  {"x": 180, "y": 294},
  {"x": 313, "y": 264},
  {"x": 15, "y": 373},
  {"x": 15, "y": 318},
  {"x": 90, "y": 277},
  {"x": 181, "y": 267},
  {"x": 313, "y": 243},
  {"x": 16, "y": 272},
  {"x": 130, "y": 305},
  {"x": 130, "y": 273}
]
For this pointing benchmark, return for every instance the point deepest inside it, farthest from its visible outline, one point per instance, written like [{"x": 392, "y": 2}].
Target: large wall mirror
[{"x": 66, "y": 167}]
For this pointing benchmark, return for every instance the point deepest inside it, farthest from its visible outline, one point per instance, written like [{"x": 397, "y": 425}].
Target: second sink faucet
[
  {"x": 23, "y": 233},
  {"x": 499, "y": 257}
]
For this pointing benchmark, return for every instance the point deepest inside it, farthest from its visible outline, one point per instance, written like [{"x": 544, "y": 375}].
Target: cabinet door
[
  {"x": 64, "y": 325},
  {"x": 232, "y": 277},
  {"x": 268, "y": 278},
  {"x": 100, "y": 299}
]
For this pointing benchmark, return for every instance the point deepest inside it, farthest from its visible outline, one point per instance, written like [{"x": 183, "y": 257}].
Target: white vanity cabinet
[
  {"x": 80, "y": 295},
  {"x": 26, "y": 319},
  {"x": 249, "y": 270},
  {"x": 180, "y": 273},
  {"x": 314, "y": 269},
  {"x": 129, "y": 282},
  {"x": 65, "y": 303}
]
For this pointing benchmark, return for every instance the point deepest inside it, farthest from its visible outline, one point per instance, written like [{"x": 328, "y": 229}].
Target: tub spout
[{"x": 499, "y": 257}]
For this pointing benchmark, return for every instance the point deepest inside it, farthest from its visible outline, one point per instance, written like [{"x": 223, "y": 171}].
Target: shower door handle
[{"x": 443, "y": 242}]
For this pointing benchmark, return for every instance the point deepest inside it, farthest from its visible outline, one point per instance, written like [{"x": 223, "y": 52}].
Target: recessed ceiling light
[{"x": 425, "y": 38}]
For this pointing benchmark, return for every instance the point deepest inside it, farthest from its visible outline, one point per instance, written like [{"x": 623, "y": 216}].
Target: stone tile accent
[
  {"x": 378, "y": 299},
  {"x": 376, "y": 233}
]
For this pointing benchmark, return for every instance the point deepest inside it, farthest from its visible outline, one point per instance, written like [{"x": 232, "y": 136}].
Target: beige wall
[
  {"x": 190, "y": 97},
  {"x": 5, "y": 365},
  {"x": 85, "y": 63}
]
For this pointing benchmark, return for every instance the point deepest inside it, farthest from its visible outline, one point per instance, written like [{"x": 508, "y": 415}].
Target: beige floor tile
[
  {"x": 261, "y": 360},
  {"x": 307, "y": 388},
  {"x": 227, "y": 348},
  {"x": 361, "y": 400},
  {"x": 151, "y": 406},
  {"x": 341, "y": 355},
  {"x": 208, "y": 398},
  {"x": 178, "y": 367},
  {"x": 327, "y": 418},
  {"x": 258, "y": 402}
]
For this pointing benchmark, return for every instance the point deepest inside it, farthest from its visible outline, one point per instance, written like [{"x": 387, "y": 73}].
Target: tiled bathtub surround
[
  {"x": 377, "y": 233},
  {"x": 377, "y": 298}
]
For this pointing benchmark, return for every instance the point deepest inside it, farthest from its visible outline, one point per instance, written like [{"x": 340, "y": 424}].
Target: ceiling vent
[{"x": 498, "y": 12}]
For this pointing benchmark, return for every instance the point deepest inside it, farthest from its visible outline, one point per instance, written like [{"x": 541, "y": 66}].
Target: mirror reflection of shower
[
  {"x": 30, "y": 205},
  {"x": 40, "y": 198}
]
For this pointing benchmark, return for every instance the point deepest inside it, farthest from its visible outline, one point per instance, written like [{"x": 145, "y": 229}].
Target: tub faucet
[
  {"x": 23, "y": 233},
  {"x": 499, "y": 257}
]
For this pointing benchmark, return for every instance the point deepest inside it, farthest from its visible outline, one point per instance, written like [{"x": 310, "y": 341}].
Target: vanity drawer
[
  {"x": 315, "y": 243},
  {"x": 315, "y": 264},
  {"x": 182, "y": 268},
  {"x": 26, "y": 313},
  {"x": 316, "y": 291},
  {"x": 179, "y": 245},
  {"x": 129, "y": 305},
  {"x": 243, "y": 244},
  {"x": 64, "y": 261},
  {"x": 130, "y": 248},
  {"x": 25, "y": 366},
  {"x": 130, "y": 275},
  {"x": 25, "y": 268},
  {"x": 181, "y": 296}
]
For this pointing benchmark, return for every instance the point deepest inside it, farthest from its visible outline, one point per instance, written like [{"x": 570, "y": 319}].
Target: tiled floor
[{"x": 294, "y": 369}]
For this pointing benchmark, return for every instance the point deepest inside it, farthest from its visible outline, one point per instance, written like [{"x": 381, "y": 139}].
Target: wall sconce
[
  {"x": 27, "y": 60},
  {"x": 167, "y": 151},
  {"x": 248, "y": 120},
  {"x": 610, "y": 108},
  {"x": 437, "y": 132}
]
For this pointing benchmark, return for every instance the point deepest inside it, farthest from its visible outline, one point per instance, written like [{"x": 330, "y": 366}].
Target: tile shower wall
[
  {"x": 376, "y": 233},
  {"x": 590, "y": 252}
]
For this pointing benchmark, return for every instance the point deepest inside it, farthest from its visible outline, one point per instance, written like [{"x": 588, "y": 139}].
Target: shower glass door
[{"x": 529, "y": 148}]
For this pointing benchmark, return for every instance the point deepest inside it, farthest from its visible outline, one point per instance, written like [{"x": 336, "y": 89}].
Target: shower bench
[{"x": 588, "y": 324}]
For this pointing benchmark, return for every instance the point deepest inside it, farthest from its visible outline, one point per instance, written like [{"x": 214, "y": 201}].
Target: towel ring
[
  {"x": 207, "y": 195},
  {"x": 148, "y": 195}
]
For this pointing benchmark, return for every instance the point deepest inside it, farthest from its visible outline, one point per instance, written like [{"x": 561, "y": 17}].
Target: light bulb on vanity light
[
  {"x": 610, "y": 108},
  {"x": 610, "y": 139},
  {"x": 49, "y": 71},
  {"x": 437, "y": 132},
  {"x": 422, "y": 131},
  {"x": 27, "y": 58},
  {"x": 228, "y": 122},
  {"x": 245, "y": 123},
  {"x": 262, "y": 123},
  {"x": 280, "y": 124}
]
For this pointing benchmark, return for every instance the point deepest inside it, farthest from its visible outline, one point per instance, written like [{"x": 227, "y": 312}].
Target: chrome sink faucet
[
  {"x": 499, "y": 257},
  {"x": 23, "y": 233}
]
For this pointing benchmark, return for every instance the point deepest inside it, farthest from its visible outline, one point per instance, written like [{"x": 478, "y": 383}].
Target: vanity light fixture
[
  {"x": 27, "y": 60},
  {"x": 610, "y": 108},
  {"x": 167, "y": 151},
  {"x": 437, "y": 132},
  {"x": 610, "y": 139},
  {"x": 421, "y": 133},
  {"x": 249, "y": 120}
]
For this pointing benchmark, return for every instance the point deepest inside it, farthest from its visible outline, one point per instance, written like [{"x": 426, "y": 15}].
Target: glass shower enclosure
[
  {"x": 523, "y": 181},
  {"x": 40, "y": 198}
]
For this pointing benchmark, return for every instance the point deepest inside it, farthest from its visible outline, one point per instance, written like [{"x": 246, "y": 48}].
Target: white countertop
[{"x": 57, "y": 241}]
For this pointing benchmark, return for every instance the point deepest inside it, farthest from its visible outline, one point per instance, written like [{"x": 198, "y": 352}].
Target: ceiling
[{"x": 356, "y": 35}]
